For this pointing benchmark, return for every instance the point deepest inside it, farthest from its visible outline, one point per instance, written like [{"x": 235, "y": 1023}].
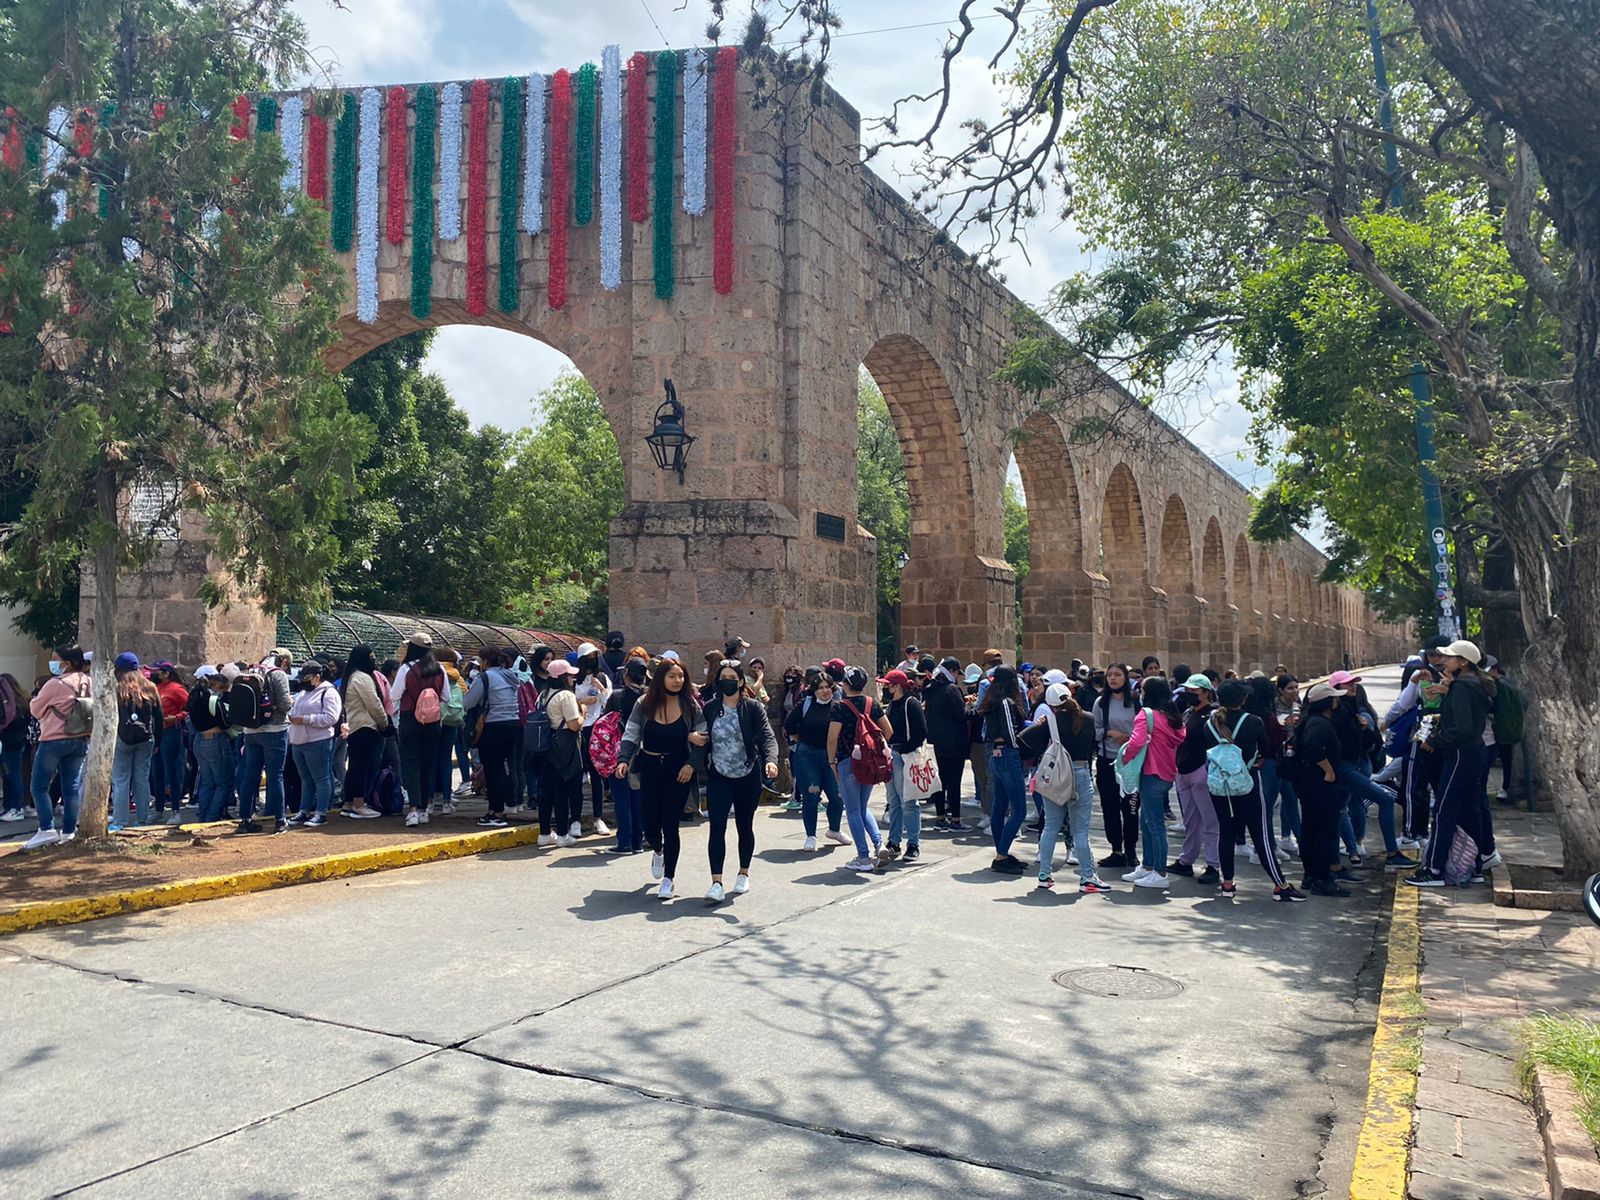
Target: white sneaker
[
  {"x": 514, "y": 808},
  {"x": 547, "y": 839},
  {"x": 1289, "y": 846},
  {"x": 65, "y": 838},
  {"x": 811, "y": 843},
  {"x": 422, "y": 817},
  {"x": 1072, "y": 860},
  {"x": 569, "y": 840},
  {"x": 657, "y": 866},
  {"x": 983, "y": 826},
  {"x": 834, "y": 835},
  {"x": 1502, "y": 796},
  {"x": 11, "y": 814},
  {"x": 175, "y": 819},
  {"x": 1283, "y": 854},
  {"x": 413, "y": 818},
  {"x": 716, "y": 895},
  {"x": 462, "y": 792},
  {"x": 601, "y": 829},
  {"x": 665, "y": 890},
  {"x": 741, "y": 885},
  {"x": 447, "y": 808},
  {"x": 1494, "y": 860},
  {"x": 437, "y": 807},
  {"x": 1151, "y": 880},
  {"x": 45, "y": 837},
  {"x": 1176, "y": 827},
  {"x": 576, "y": 830},
  {"x": 1136, "y": 874},
  {"x": 1406, "y": 843}
]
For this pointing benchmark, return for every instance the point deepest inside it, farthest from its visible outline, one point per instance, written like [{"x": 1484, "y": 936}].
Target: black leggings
[
  {"x": 1122, "y": 823},
  {"x": 500, "y": 740},
  {"x": 597, "y": 783},
  {"x": 366, "y": 753},
  {"x": 661, "y": 796},
  {"x": 1235, "y": 815},
  {"x": 1320, "y": 802},
  {"x": 947, "y": 800},
  {"x": 739, "y": 795},
  {"x": 556, "y": 796}
]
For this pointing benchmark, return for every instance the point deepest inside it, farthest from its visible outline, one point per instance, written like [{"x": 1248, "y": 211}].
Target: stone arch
[
  {"x": 1249, "y": 606},
  {"x": 1124, "y": 557},
  {"x": 1176, "y": 577},
  {"x": 1285, "y": 615},
  {"x": 1221, "y": 618},
  {"x": 1059, "y": 597}
]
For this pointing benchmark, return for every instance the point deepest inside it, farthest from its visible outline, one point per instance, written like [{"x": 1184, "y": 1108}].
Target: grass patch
[
  {"x": 1408, "y": 1057},
  {"x": 1572, "y": 1046},
  {"x": 1409, "y": 1003}
]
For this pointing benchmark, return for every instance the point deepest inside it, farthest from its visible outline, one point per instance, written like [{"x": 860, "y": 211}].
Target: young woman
[
  {"x": 625, "y": 801},
  {"x": 1003, "y": 719},
  {"x": 1159, "y": 726},
  {"x": 213, "y": 753},
  {"x": 871, "y": 853},
  {"x": 946, "y": 714},
  {"x": 592, "y": 686},
  {"x": 419, "y": 740},
  {"x": 14, "y": 721},
  {"x": 561, "y": 770},
  {"x": 1316, "y": 750},
  {"x": 1115, "y": 707},
  {"x": 495, "y": 692},
  {"x": 170, "y": 752},
  {"x": 139, "y": 725},
  {"x": 533, "y": 682},
  {"x": 63, "y": 744},
  {"x": 312, "y": 722},
  {"x": 1075, "y": 733},
  {"x": 1467, "y": 700},
  {"x": 743, "y": 753},
  {"x": 663, "y": 734},
  {"x": 366, "y": 728},
  {"x": 1200, "y": 825},
  {"x": 807, "y": 728},
  {"x": 1286, "y": 714},
  {"x": 1230, "y": 723},
  {"x": 908, "y": 732}
]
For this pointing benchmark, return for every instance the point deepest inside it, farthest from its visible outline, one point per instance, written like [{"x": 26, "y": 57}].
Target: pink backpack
[{"x": 605, "y": 742}]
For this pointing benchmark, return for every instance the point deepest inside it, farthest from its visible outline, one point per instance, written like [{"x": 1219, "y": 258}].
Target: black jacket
[
  {"x": 946, "y": 713},
  {"x": 1463, "y": 714},
  {"x": 759, "y": 742},
  {"x": 908, "y": 727}
]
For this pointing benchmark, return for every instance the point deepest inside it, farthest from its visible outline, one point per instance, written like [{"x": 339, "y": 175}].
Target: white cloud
[
  {"x": 371, "y": 41},
  {"x": 494, "y": 373}
]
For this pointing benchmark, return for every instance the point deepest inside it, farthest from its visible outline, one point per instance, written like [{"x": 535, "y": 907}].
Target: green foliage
[
  {"x": 1571, "y": 1046},
  {"x": 883, "y": 505}
]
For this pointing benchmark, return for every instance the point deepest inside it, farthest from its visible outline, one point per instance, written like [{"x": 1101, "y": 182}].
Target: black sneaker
[
  {"x": 1112, "y": 860},
  {"x": 1425, "y": 879},
  {"x": 247, "y": 827},
  {"x": 913, "y": 852},
  {"x": 955, "y": 826},
  {"x": 1007, "y": 866},
  {"x": 493, "y": 821},
  {"x": 1209, "y": 875},
  {"x": 1289, "y": 893},
  {"x": 1399, "y": 862},
  {"x": 280, "y": 827},
  {"x": 1326, "y": 887},
  {"x": 1181, "y": 868},
  {"x": 894, "y": 850},
  {"x": 1345, "y": 875}
]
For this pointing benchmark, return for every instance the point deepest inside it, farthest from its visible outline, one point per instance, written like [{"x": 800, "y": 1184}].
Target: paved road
[{"x": 536, "y": 1023}]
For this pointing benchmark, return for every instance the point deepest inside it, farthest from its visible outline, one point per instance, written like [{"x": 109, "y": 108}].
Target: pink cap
[{"x": 1340, "y": 679}]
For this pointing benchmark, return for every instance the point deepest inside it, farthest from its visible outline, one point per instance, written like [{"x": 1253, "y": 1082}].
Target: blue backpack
[
  {"x": 384, "y": 794},
  {"x": 1227, "y": 774}
]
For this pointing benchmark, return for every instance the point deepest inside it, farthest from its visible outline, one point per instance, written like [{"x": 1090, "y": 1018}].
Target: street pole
[{"x": 1438, "y": 539}]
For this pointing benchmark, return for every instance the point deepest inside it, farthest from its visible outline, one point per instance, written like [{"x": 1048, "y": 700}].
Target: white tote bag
[
  {"x": 920, "y": 774},
  {"x": 1053, "y": 777}
]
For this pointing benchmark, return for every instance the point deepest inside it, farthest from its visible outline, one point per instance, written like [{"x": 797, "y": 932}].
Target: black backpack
[
  {"x": 135, "y": 723},
  {"x": 249, "y": 702}
]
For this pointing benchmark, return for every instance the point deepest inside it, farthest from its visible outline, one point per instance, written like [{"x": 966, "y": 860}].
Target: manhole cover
[{"x": 1122, "y": 983}]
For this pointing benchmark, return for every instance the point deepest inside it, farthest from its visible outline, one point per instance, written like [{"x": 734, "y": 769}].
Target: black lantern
[
  {"x": 901, "y": 559},
  {"x": 670, "y": 441}
]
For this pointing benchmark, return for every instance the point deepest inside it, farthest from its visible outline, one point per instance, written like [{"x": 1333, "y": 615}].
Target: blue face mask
[{"x": 55, "y": 666}]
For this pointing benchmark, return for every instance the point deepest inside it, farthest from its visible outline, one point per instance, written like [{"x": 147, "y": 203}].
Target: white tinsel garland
[
  {"x": 611, "y": 168},
  {"x": 54, "y": 151},
  {"x": 291, "y": 122},
  {"x": 450, "y": 163},
  {"x": 694, "y": 132},
  {"x": 533, "y": 157},
  {"x": 367, "y": 206}
]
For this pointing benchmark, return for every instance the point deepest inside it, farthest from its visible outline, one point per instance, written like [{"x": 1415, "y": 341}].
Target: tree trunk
[{"x": 102, "y": 741}]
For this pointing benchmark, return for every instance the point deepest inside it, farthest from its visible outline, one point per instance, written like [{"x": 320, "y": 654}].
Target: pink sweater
[
  {"x": 1162, "y": 760},
  {"x": 54, "y": 701}
]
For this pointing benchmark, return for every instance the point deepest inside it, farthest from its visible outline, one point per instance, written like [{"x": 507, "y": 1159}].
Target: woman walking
[
  {"x": 1115, "y": 706},
  {"x": 848, "y": 713},
  {"x": 1279, "y": 782},
  {"x": 62, "y": 706},
  {"x": 814, "y": 776},
  {"x": 1068, "y": 726},
  {"x": 663, "y": 733},
  {"x": 214, "y": 755},
  {"x": 1157, "y": 732},
  {"x": 908, "y": 733},
  {"x": 1003, "y": 720},
  {"x": 743, "y": 753},
  {"x": 312, "y": 722},
  {"x": 366, "y": 727},
  {"x": 139, "y": 724},
  {"x": 1235, "y": 742}
]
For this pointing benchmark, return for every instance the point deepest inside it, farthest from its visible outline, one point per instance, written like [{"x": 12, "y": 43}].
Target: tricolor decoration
[
  {"x": 395, "y": 189},
  {"x": 583, "y": 147},
  {"x": 478, "y": 200},
  {"x": 722, "y": 219},
  {"x": 694, "y": 132},
  {"x": 611, "y": 168},
  {"x": 344, "y": 175},
  {"x": 291, "y": 129},
  {"x": 422, "y": 201},
  {"x": 510, "y": 177},
  {"x": 54, "y": 153},
  {"x": 450, "y": 163},
  {"x": 638, "y": 138},
  {"x": 266, "y": 115},
  {"x": 661, "y": 228},
  {"x": 317, "y": 159},
  {"x": 533, "y": 157},
  {"x": 367, "y": 207},
  {"x": 560, "y": 120}
]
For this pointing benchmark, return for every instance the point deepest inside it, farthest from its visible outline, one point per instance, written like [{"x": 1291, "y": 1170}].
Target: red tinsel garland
[
  {"x": 11, "y": 149},
  {"x": 722, "y": 167},
  {"x": 477, "y": 200},
  {"x": 639, "y": 138},
  {"x": 396, "y": 190},
  {"x": 83, "y": 133},
  {"x": 240, "y": 128},
  {"x": 317, "y": 160},
  {"x": 560, "y": 204}
]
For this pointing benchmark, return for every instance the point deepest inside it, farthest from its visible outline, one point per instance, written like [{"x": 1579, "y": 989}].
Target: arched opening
[
  {"x": 1288, "y": 627},
  {"x": 1221, "y": 628},
  {"x": 948, "y": 599},
  {"x": 1244, "y": 596},
  {"x": 1057, "y": 597},
  {"x": 1271, "y": 605},
  {"x": 1135, "y": 625},
  {"x": 1175, "y": 576}
]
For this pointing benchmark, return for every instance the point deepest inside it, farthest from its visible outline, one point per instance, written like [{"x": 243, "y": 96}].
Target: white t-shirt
[{"x": 593, "y": 691}]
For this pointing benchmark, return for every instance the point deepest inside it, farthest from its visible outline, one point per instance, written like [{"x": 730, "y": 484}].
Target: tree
[
  {"x": 1014, "y": 517},
  {"x": 168, "y": 311},
  {"x": 883, "y": 505}
]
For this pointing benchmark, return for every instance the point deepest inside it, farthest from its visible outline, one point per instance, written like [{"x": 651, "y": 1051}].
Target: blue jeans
[
  {"x": 1274, "y": 787},
  {"x": 11, "y": 779},
  {"x": 629, "y": 805},
  {"x": 1076, "y": 811},
  {"x": 814, "y": 777},
  {"x": 1008, "y": 801},
  {"x": 904, "y": 816},
  {"x": 130, "y": 771},
  {"x": 1356, "y": 780},
  {"x": 66, "y": 755},
  {"x": 314, "y": 762},
  {"x": 215, "y": 762},
  {"x": 857, "y": 795},
  {"x": 263, "y": 751},
  {"x": 169, "y": 767},
  {"x": 1153, "y": 793}
]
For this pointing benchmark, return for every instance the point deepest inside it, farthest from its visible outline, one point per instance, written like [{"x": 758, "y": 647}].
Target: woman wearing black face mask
[{"x": 743, "y": 751}]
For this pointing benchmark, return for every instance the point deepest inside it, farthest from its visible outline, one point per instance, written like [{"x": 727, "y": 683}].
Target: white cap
[
  {"x": 1466, "y": 650},
  {"x": 1054, "y": 676},
  {"x": 204, "y": 672},
  {"x": 588, "y": 648},
  {"x": 1056, "y": 692}
]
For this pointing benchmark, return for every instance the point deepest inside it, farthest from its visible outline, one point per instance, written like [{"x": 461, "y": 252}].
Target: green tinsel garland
[
  {"x": 344, "y": 176},
  {"x": 108, "y": 110},
  {"x": 666, "y": 138},
  {"x": 510, "y": 188},
  {"x": 583, "y": 156},
  {"x": 427, "y": 107},
  {"x": 267, "y": 115}
]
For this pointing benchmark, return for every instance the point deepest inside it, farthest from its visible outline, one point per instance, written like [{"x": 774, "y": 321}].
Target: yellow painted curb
[
  {"x": 332, "y": 866},
  {"x": 1385, "y": 1141}
]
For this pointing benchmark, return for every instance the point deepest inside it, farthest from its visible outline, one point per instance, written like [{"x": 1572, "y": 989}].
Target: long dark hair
[
  {"x": 422, "y": 660},
  {"x": 655, "y": 695},
  {"x": 1263, "y": 699},
  {"x": 1157, "y": 694},
  {"x": 1002, "y": 687},
  {"x": 1070, "y": 706},
  {"x": 361, "y": 659},
  {"x": 71, "y": 656},
  {"x": 1125, "y": 691}
]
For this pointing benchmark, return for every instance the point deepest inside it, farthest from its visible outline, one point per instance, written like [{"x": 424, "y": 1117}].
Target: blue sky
[{"x": 888, "y": 49}]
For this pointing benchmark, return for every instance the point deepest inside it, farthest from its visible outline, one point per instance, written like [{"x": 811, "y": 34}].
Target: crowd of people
[{"x": 1193, "y": 772}]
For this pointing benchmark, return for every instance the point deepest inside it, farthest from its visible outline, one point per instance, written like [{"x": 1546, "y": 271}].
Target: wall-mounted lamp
[{"x": 669, "y": 440}]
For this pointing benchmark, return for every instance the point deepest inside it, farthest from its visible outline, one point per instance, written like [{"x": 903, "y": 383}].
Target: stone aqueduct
[{"x": 1138, "y": 541}]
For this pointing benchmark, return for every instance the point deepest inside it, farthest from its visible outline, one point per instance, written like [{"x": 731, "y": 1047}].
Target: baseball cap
[
  {"x": 585, "y": 648},
  {"x": 635, "y": 670},
  {"x": 1322, "y": 691},
  {"x": 1199, "y": 683},
  {"x": 1340, "y": 678},
  {"x": 951, "y": 663},
  {"x": 558, "y": 667},
  {"x": 163, "y": 665},
  {"x": 973, "y": 673},
  {"x": 614, "y": 640},
  {"x": 896, "y": 678},
  {"x": 231, "y": 672},
  {"x": 926, "y": 664},
  {"x": 855, "y": 678},
  {"x": 1054, "y": 676},
  {"x": 1056, "y": 693},
  {"x": 314, "y": 666},
  {"x": 127, "y": 661},
  {"x": 1025, "y": 668},
  {"x": 1466, "y": 650},
  {"x": 991, "y": 652},
  {"x": 204, "y": 672},
  {"x": 670, "y": 656},
  {"x": 278, "y": 652}
]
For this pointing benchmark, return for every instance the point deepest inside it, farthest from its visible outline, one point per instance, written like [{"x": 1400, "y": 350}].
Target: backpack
[
  {"x": 429, "y": 708},
  {"x": 454, "y": 711},
  {"x": 14, "y": 736},
  {"x": 134, "y": 724},
  {"x": 1509, "y": 717},
  {"x": 249, "y": 702},
  {"x": 80, "y": 717},
  {"x": 869, "y": 756},
  {"x": 1227, "y": 774},
  {"x": 536, "y": 730},
  {"x": 1053, "y": 779},
  {"x": 384, "y": 793},
  {"x": 605, "y": 740}
]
